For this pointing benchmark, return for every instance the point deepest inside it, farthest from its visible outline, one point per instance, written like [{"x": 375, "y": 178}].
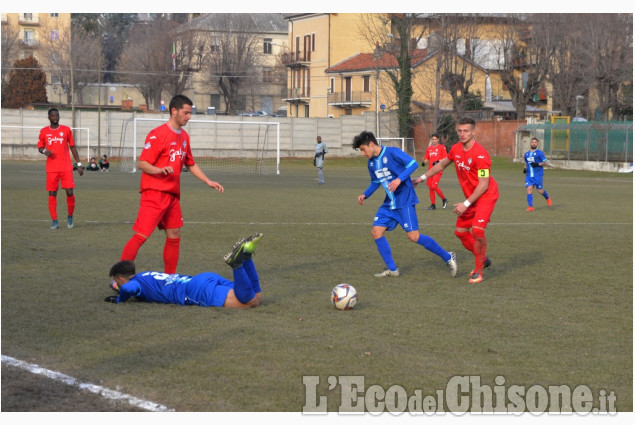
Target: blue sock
[
  {"x": 431, "y": 245},
  {"x": 386, "y": 253},
  {"x": 252, "y": 274},
  {"x": 530, "y": 199},
  {"x": 242, "y": 286},
  {"x": 545, "y": 194}
]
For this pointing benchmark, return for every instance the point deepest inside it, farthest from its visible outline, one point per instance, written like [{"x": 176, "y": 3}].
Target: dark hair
[
  {"x": 536, "y": 139},
  {"x": 363, "y": 138},
  {"x": 467, "y": 120},
  {"x": 124, "y": 268},
  {"x": 53, "y": 110},
  {"x": 178, "y": 101},
  {"x": 435, "y": 135}
]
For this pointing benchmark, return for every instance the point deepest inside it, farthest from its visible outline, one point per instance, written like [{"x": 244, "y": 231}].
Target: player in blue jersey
[
  {"x": 535, "y": 160},
  {"x": 390, "y": 168},
  {"x": 204, "y": 289}
]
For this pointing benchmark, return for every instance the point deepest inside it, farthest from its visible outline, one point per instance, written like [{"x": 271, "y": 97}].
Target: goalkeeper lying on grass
[{"x": 204, "y": 289}]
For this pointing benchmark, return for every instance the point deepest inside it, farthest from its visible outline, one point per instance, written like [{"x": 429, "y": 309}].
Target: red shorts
[
  {"x": 478, "y": 214},
  {"x": 53, "y": 180},
  {"x": 433, "y": 181},
  {"x": 158, "y": 209}
]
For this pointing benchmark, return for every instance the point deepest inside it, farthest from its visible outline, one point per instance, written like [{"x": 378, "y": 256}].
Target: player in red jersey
[
  {"x": 55, "y": 142},
  {"x": 166, "y": 151},
  {"x": 434, "y": 154},
  {"x": 472, "y": 164}
]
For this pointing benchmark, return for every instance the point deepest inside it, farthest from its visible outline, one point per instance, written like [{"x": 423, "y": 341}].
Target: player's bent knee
[{"x": 232, "y": 302}]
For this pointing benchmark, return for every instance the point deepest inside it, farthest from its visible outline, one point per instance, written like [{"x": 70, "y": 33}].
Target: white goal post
[
  {"x": 406, "y": 144},
  {"x": 232, "y": 147},
  {"x": 21, "y": 137}
]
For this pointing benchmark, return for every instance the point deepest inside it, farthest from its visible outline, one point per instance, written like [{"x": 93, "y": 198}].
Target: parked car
[
  {"x": 282, "y": 112},
  {"x": 254, "y": 114}
]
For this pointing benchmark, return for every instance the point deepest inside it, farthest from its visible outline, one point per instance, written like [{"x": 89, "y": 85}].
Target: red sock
[
  {"x": 171, "y": 254},
  {"x": 439, "y": 192},
  {"x": 432, "y": 196},
  {"x": 479, "y": 248},
  {"x": 53, "y": 207},
  {"x": 132, "y": 247},
  {"x": 466, "y": 239},
  {"x": 70, "y": 202}
]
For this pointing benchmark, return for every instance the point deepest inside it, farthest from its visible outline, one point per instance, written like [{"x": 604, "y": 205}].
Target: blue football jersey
[
  {"x": 176, "y": 289},
  {"x": 534, "y": 157},
  {"x": 392, "y": 163}
]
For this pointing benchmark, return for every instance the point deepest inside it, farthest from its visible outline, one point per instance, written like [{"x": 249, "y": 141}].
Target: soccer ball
[{"x": 344, "y": 296}]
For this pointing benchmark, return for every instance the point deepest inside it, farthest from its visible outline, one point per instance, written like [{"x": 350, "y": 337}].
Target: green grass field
[{"x": 556, "y": 307}]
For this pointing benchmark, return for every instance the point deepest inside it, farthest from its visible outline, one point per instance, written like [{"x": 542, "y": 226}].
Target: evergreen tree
[{"x": 26, "y": 84}]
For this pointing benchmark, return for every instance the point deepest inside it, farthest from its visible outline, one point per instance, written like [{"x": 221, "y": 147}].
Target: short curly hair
[{"x": 124, "y": 268}]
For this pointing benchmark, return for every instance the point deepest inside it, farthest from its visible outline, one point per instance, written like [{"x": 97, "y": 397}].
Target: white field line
[
  {"x": 304, "y": 223},
  {"x": 96, "y": 389}
]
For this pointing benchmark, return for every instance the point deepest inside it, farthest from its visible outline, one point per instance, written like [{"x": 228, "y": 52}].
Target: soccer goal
[
  {"x": 406, "y": 144},
  {"x": 219, "y": 147},
  {"x": 19, "y": 141}
]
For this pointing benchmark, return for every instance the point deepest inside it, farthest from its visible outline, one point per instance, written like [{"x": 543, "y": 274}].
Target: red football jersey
[
  {"x": 470, "y": 165},
  {"x": 58, "y": 141},
  {"x": 434, "y": 154},
  {"x": 163, "y": 147}
]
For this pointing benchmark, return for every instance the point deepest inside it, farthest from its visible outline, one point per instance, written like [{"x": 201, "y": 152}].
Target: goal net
[
  {"x": 406, "y": 144},
  {"x": 218, "y": 147}
]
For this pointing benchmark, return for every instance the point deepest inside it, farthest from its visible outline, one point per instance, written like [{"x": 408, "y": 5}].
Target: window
[
  {"x": 55, "y": 35},
  {"x": 267, "y": 75},
  {"x": 215, "y": 101},
  {"x": 313, "y": 42},
  {"x": 332, "y": 85},
  {"x": 306, "y": 111},
  {"x": 214, "y": 45},
  {"x": 366, "y": 79},
  {"x": 29, "y": 37},
  {"x": 267, "y": 46},
  {"x": 54, "y": 15}
]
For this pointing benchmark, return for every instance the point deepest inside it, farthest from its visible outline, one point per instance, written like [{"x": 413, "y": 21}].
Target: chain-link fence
[{"x": 608, "y": 141}]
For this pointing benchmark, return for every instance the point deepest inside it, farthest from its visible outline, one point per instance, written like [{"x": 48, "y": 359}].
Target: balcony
[
  {"x": 350, "y": 99},
  {"x": 296, "y": 59},
  {"x": 27, "y": 19},
  {"x": 29, "y": 44},
  {"x": 298, "y": 95}
]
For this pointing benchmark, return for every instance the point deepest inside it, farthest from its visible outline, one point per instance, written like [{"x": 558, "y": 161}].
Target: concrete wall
[{"x": 20, "y": 130}]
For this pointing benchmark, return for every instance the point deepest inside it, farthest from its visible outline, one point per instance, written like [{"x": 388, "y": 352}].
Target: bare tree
[
  {"x": 235, "y": 57},
  {"x": 396, "y": 35},
  {"x": 160, "y": 58},
  {"x": 71, "y": 60},
  {"x": 10, "y": 45},
  {"x": 457, "y": 42},
  {"x": 609, "y": 46},
  {"x": 569, "y": 73},
  {"x": 524, "y": 57}
]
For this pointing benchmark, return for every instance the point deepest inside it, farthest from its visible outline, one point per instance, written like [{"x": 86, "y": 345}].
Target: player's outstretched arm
[{"x": 199, "y": 174}]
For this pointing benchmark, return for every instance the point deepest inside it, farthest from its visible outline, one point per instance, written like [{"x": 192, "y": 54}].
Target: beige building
[
  {"x": 334, "y": 69},
  {"x": 29, "y": 34},
  {"x": 317, "y": 41},
  {"x": 263, "y": 87}
]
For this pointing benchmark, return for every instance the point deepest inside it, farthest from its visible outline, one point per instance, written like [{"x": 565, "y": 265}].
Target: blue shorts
[
  {"x": 406, "y": 217},
  {"x": 534, "y": 181},
  {"x": 208, "y": 290}
]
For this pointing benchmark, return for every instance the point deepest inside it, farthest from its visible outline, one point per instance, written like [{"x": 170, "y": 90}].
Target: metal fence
[{"x": 607, "y": 141}]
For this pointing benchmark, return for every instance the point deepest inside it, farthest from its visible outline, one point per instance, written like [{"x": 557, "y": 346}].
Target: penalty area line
[{"x": 95, "y": 389}]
